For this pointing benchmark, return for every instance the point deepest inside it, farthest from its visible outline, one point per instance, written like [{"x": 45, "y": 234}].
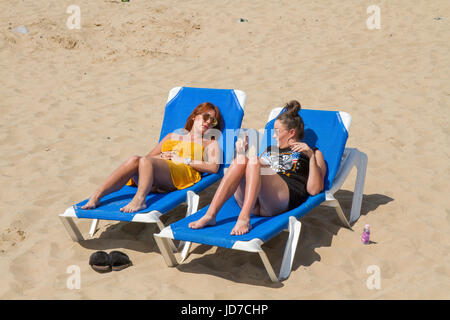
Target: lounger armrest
[
  {"x": 163, "y": 240},
  {"x": 352, "y": 158},
  {"x": 253, "y": 245},
  {"x": 165, "y": 233},
  {"x": 348, "y": 161}
]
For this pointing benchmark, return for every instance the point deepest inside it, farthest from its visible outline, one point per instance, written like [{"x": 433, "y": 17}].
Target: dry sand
[{"x": 74, "y": 104}]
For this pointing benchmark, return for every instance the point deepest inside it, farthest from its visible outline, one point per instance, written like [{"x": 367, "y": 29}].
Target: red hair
[{"x": 200, "y": 109}]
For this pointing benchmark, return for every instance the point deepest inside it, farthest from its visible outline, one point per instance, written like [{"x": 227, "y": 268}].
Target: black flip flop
[
  {"x": 119, "y": 260},
  {"x": 100, "y": 261}
]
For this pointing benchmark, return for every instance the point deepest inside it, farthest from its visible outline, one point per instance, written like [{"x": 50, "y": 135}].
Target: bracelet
[{"x": 187, "y": 161}]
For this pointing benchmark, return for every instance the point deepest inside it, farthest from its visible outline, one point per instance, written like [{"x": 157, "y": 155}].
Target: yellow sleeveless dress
[{"x": 182, "y": 175}]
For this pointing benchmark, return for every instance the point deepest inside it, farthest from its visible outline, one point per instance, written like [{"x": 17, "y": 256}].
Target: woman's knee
[
  {"x": 145, "y": 161},
  {"x": 239, "y": 161},
  {"x": 134, "y": 160},
  {"x": 253, "y": 162}
]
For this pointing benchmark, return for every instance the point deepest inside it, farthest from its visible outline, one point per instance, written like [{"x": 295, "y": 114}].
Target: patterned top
[{"x": 286, "y": 162}]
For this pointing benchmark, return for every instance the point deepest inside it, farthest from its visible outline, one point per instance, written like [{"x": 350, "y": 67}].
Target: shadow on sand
[{"x": 318, "y": 229}]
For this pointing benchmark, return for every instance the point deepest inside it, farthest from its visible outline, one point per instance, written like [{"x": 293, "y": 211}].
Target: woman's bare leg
[
  {"x": 264, "y": 195},
  {"x": 228, "y": 185},
  {"x": 114, "y": 182},
  {"x": 252, "y": 188},
  {"x": 152, "y": 172}
]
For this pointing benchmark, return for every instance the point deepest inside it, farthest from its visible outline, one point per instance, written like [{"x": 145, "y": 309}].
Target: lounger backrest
[
  {"x": 180, "y": 107},
  {"x": 324, "y": 130}
]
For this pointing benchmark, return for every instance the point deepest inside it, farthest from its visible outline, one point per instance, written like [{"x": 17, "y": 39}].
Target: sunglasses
[
  {"x": 276, "y": 132},
  {"x": 211, "y": 119}
]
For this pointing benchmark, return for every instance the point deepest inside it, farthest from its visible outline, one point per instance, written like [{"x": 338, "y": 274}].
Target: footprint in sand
[{"x": 10, "y": 237}]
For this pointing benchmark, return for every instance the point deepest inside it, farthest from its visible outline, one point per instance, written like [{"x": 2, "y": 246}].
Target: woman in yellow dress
[{"x": 175, "y": 163}]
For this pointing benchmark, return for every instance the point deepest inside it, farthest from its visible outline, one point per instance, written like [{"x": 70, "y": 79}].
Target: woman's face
[
  {"x": 282, "y": 134},
  {"x": 204, "y": 121}
]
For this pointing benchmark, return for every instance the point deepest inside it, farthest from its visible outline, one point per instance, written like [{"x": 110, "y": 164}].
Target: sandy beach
[{"x": 76, "y": 103}]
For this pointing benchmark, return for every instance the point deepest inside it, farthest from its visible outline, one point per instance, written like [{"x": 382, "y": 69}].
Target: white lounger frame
[
  {"x": 67, "y": 218},
  {"x": 192, "y": 200},
  {"x": 351, "y": 158}
]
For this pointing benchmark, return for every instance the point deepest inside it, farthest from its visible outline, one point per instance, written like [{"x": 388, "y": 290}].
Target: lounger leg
[
  {"x": 361, "y": 166},
  {"x": 291, "y": 246},
  {"x": 268, "y": 266},
  {"x": 153, "y": 217},
  {"x": 192, "y": 206},
  {"x": 169, "y": 241},
  {"x": 93, "y": 227},
  {"x": 288, "y": 255},
  {"x": 69, "y": 224},
  {"x": 351, "y": 158},
  {"x": 334, "y": 203},
  {"x": 166, "y": 250}
]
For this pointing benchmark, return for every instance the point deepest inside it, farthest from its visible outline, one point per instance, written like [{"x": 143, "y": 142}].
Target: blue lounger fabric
[
  {"x": 175, "y": 115},
  {"x": 324, "y": 130},
  {"x": 109, "y": 208},
  {"x": 263, "y": 228},
  {"x": 180, "y": 107}
]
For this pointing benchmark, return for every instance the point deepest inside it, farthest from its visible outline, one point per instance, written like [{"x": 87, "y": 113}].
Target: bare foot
[
  {"x": 136, "y": 204},
  {"x": 91, "y": 204},
  {"x": 203, "y": 222},
  {"x": 241, "y": 227}
]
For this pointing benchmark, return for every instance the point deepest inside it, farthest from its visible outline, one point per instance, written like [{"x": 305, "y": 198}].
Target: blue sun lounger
[
  {"x": 326, "y": 130},
  {"x": 180, "y": 103}
]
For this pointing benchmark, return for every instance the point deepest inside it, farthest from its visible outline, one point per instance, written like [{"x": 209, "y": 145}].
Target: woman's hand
[
  {"x": 241, "y": 145},
  {"x": 177, "y": 159},
  {"x": 168, "y": 155},
  {"x": 301, "y": 147},
  {"x": 172, "y": 155}
]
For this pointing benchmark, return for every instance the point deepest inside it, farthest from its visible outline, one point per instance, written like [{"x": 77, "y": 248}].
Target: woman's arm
[
  {"x": 317, "y": 167},
  {"x": 212, "y": 159},
  {"x": 317, "y": 171},
  {"x": 156, "y": 151}
]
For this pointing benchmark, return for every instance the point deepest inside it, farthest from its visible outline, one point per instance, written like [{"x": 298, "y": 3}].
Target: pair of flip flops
[{"x": 101, "y": 261}]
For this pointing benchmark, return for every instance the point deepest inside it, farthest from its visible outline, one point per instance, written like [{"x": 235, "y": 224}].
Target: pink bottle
[{"x": 365, "y": 238}]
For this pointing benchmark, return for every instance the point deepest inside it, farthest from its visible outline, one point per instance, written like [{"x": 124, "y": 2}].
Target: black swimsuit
[{"x": 293, "y": 168}]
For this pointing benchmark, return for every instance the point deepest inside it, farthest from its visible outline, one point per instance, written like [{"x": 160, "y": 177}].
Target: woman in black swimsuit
[{"x": 281, "y": 179}]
